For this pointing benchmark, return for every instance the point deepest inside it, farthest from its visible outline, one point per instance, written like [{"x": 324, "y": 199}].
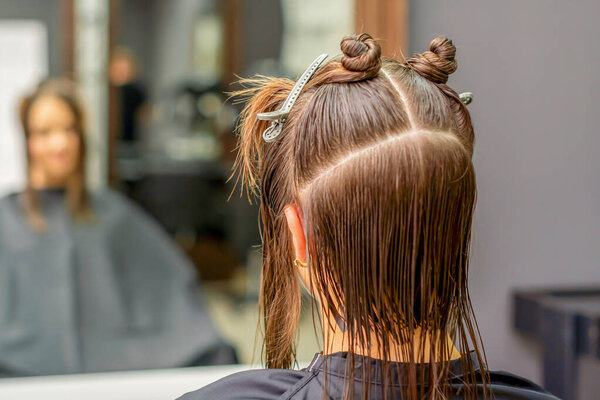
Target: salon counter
[{"x": 163, "y": 384}]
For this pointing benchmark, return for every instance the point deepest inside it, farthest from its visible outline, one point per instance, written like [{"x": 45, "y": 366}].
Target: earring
[{"x": 300, "y": 264}]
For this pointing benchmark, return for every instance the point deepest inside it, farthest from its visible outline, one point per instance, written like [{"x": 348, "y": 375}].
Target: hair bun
[
  {"x": 362, "y": 53},
  {"x": 437, "y": 63}
]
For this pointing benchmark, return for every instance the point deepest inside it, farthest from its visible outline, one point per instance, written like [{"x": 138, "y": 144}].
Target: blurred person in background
[
  {"x": 87, "y": 281},
  {"x": 367, "y": 192},
  {"x": 123, "y": 73}
]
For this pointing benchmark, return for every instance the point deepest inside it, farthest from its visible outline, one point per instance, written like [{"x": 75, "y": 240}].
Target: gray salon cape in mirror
[{"x": 111, "y": 294}]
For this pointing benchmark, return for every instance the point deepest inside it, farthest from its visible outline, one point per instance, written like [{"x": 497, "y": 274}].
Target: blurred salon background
[{"x": 153, "y": 78}]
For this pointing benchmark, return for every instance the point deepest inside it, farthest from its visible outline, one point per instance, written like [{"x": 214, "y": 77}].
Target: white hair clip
[
  {"x": 466, "y": 98},
  {"x": 278, "y": 117}
]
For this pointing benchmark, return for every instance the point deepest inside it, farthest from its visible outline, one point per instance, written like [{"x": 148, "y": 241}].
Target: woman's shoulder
[
  {"x": 109, "y": 198},
  {"x": 10, "y": 206},
  {"x": 9, "y": 199},
  {"x": 115, "y": 208},
  {"x": 264, "y": 384},
  {"x": 271, "y": 384}
]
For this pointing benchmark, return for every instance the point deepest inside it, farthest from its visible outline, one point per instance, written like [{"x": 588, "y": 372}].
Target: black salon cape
[
  {"x": 111, "y": 294},
  {"x": 307, "y": 384}
]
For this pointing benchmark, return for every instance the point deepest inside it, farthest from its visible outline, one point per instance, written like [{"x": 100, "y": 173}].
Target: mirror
[{"x": 103, "y": 283}]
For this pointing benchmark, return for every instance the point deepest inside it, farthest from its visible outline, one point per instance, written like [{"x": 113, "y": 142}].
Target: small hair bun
[
  {"x": 362, "y": 53},
  {"x": 437, "y": 63}
]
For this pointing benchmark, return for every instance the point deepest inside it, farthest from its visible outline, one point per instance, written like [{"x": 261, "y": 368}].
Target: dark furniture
[{"x": 567, "y": 323}]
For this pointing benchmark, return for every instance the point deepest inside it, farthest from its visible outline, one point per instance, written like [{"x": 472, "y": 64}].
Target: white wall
[
  {"x": 534, "y": 67},
  {"x": 23, "y": 62}
]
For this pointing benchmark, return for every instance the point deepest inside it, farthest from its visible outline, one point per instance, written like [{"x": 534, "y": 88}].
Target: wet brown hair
[
  {"x": 76, "y": 193},
  {"x": 376, "y": 154}
]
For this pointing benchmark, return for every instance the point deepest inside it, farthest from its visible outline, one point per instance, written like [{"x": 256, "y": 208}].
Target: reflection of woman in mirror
[
  {"x": 367, "y": 197},
  {"x": 87, "y": 281}
]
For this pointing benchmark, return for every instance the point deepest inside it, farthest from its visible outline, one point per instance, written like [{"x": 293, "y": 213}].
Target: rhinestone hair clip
[{"x": 278, "y": 117}]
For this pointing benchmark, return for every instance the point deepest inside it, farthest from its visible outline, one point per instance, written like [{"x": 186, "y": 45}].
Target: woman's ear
[{"x": 296, "y": 229}]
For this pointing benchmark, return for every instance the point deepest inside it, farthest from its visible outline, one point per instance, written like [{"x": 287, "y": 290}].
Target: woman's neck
[
  {"x": 39, "y": 180},
  {"x": 337, "y": 340}
]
